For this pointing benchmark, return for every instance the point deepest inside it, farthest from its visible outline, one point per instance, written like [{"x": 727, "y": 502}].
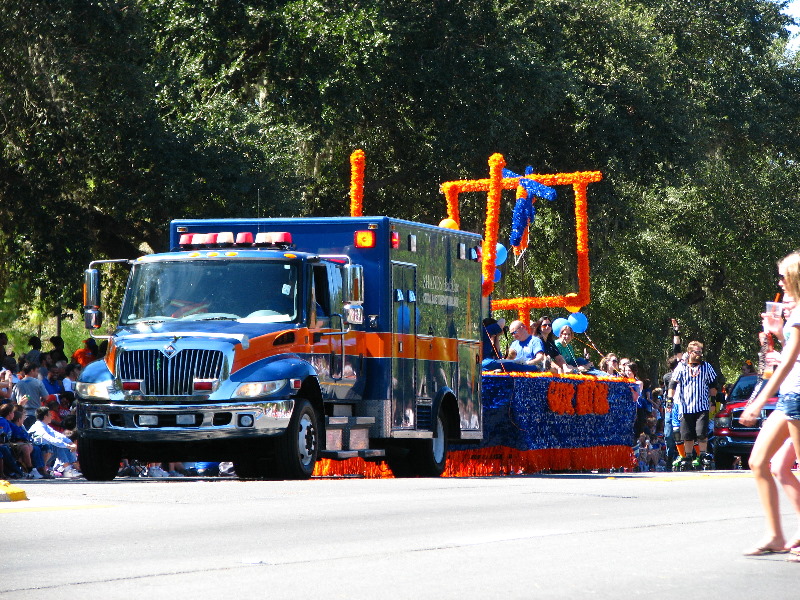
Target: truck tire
[
  {"x": 296, "y": 451},
  {"x": 256, "y": 461},
  {"x": 425, "y": 458},
  {"x": 99, "y": 460},
  {"x": 723, "y": 461},
  {"x": 429, "y": 458}
]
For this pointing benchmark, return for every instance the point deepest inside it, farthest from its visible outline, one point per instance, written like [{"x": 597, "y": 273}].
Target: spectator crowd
[{"x": 37, "y": 408}]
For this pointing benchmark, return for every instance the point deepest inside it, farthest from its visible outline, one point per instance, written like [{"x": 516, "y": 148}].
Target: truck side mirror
[
  {"x": 92, "y": 315},
  {"x": 92, "y": 318},
  {"x": 353, "y": 284}
]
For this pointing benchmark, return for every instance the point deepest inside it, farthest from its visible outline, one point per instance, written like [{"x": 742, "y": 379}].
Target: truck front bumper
[
  {"x": 733, "y": 446},
  {"x": 183, "y": 422}
]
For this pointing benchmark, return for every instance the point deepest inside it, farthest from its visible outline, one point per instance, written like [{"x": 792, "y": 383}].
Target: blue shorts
[{"x": 789, "y": 404}]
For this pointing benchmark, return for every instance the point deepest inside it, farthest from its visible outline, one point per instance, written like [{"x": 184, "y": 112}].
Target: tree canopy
[{"x": 117, "y": 117}]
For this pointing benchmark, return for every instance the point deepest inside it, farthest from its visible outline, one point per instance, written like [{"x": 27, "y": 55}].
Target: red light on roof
[
  {"x": 244, "y": 238},
  {"x": 186, "y": 239},
  {"x": 395, "y": 240},
  {"x": 211, "y": 238},
  {"x": 365, "y": 239},
  {"x": 281, "y": 237}
]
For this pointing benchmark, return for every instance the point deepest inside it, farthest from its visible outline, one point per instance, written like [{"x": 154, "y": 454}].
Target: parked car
[{"x": 731, "y": 438}]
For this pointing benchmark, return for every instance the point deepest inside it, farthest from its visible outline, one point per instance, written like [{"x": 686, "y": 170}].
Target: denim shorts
[{"x": 789, "y": 404}]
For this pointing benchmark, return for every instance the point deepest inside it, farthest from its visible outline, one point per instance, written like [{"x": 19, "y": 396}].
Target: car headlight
[
  {"x": 722, "y": 422},
  {"x": 253, "y": 389},
  {"x": 100, "y": 389}
]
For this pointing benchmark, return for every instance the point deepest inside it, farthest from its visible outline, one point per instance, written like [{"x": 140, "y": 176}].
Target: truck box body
[{"x": 207, "y": 330}]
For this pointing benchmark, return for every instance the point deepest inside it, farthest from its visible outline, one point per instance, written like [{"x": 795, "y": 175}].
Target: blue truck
[{"x": 273, "y": 343}]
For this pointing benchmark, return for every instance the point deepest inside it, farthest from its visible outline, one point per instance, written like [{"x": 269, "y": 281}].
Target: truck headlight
[
  {"x": 253, "y": 389},
  {"x": 722, "y": 422},
  {"x": 100, "y": 389}
]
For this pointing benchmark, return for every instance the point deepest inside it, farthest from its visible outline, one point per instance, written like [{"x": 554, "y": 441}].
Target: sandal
[{"x": 764, "y": 551}]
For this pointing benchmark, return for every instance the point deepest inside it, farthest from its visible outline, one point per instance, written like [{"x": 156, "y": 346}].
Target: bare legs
[{"x": 769, "y": 441}]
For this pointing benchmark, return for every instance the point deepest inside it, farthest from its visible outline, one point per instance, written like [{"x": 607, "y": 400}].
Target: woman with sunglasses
[
  {"x": 543, "y": 329},
  {"x": 609, "y": 364}
]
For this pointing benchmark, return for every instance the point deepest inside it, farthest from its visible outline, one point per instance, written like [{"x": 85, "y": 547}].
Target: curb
[{"x": 11, "y": 493}]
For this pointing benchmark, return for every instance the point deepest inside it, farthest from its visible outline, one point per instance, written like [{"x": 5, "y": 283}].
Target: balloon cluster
[
  {"x": 577, "y": 322},
  {"x": 500, "y": 257}
]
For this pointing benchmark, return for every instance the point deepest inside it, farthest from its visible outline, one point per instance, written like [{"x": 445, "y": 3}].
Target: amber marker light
[{"x": 365, "y": 239}]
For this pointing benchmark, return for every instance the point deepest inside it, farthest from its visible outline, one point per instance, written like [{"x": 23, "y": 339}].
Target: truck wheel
[
  {"x": 425, "y": 458},
  {"x": 296, "y": 450},
  {"x": 429, "y": 458},
  {"x": 99, "y": 460},
  {"x": 723, "y": 461},
  {"x": 256, "y": 461}
]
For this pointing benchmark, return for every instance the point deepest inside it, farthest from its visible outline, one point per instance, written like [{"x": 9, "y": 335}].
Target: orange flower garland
[
  {"x": 357, "y": 161},
  {"x": 572, "y": 376},
  {"x": 496, "y": 164},
  {"x": 450, "y": 192},
  {"x": 559, "y": 397},
  {"x": 579, "y": 182},
  {"x": 590, "y": 397}
]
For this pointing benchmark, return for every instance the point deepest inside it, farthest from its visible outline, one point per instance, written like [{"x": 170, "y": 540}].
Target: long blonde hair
[{"x": 791, "y": 266}]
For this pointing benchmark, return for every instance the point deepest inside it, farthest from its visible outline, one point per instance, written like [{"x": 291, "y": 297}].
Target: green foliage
[{"x": 117, "y": 118}]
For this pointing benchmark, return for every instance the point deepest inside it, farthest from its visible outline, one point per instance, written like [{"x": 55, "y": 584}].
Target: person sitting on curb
[
  {"x": 60, "y": 445},
  {"x": 20, "y": 435},
  {"x": 30, "y": 393}
]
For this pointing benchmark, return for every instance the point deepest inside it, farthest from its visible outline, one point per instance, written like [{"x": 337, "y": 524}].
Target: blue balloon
[
  {"x": 497, "y": 275},
  {"x": 502, "y": 255},
  {"x": 578, "y": 322},
  {"x": 558, "y": 325}
]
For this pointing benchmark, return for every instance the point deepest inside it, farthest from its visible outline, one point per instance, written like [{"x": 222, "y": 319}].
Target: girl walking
[{"x": 783, "y": 423}]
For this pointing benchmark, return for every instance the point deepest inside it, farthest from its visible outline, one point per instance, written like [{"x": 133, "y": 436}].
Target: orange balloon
[{"x": 448, "y": 224}]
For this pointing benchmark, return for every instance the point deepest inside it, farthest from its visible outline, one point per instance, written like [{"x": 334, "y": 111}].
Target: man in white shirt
[{"x": 57, "y": 443}]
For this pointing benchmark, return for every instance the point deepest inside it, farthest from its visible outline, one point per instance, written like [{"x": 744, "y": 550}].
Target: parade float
[{"x": 532, "y": 421}]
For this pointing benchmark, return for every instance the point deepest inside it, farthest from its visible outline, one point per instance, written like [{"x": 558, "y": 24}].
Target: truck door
[
  {"x": 404, "y": 346},
  {"x": 327, "y": 319}
]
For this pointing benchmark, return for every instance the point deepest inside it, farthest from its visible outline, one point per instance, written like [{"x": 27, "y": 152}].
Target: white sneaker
[
  {"x": 156, "y": 471},
  {"x": 35, "y": 473},
  {"x": 72, "y": 473}
]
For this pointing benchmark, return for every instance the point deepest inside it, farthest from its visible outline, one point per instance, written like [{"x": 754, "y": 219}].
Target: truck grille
[
  {"x": 169, "y": 376},
  {"x": 737, "y": 412}
]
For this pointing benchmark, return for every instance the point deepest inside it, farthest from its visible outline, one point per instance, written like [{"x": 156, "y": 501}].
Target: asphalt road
[{"x": 657, "y": 535}]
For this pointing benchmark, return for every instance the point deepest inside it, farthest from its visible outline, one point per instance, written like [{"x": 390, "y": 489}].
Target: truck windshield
[{"x": 244, "y": 290}]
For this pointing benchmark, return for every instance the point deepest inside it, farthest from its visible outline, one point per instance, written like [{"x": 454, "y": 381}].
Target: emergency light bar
[{"x": 224, "y": 239}]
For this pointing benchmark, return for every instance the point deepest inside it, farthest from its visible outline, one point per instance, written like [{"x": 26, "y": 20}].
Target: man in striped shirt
[{"x": 697, "y": 382}]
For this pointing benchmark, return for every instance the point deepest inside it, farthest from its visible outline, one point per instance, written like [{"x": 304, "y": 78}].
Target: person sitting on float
[
  {"x": 609, "y": 364},
  {"x": 543, "y": 329},
  {"x": 526, "y": 352},
  {"x": 490, "y": 338},
  {"x": 567, "y": 350}
]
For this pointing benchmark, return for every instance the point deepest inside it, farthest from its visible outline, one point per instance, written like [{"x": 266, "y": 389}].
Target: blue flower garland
[{"x": 525, "y": 209}]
